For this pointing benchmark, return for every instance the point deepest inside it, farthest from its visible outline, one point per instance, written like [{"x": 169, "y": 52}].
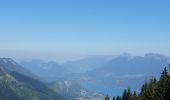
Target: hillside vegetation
[{"x": 152, "y": 90}]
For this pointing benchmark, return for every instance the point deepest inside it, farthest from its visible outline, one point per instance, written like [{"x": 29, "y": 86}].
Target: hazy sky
[{"x": 60, "y": 29}]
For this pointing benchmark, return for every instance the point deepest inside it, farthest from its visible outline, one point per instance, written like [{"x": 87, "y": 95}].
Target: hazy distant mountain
[
  {"x": 44, "y": 69},
  {"x": 123, "y": 64},
  {"x": 9, "y": 65},
  {"x": 119, "y": 71},
  {"x": 126, "y": 70},
  {"x": 15, "y": 85},
  {"x": 86, "y": 64},
  {"x": 52, "y": 70}
]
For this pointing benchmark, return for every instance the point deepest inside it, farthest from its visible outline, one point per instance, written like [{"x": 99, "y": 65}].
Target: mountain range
[
  {"x": 84, "y": 79},
  {"x": 120, "y": 71},
  {"x": 17, "y": 83},
  {"x": 129, "y": 71}
]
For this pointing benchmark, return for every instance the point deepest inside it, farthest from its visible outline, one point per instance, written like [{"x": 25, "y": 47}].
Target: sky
[{"x": 67, "y": 29}]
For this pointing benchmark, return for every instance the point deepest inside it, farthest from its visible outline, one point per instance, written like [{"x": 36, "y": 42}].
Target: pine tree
[
  {"x": 151, "y": 90},
  {"x": 135, "y": 96},
  {"x": 127, "y": 95},
  {"x": 114, "y": 98},
  {"x": 106, "y": 98},
  {"x": 118, "y": 98},
  {"x": 164, "y": 85}
]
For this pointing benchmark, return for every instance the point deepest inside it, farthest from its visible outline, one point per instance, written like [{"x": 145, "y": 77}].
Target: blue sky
[{"x": 60, "y": 29}]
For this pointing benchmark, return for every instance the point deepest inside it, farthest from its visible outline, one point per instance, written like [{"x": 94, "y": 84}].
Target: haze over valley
[{"x": 84, "y": 50}]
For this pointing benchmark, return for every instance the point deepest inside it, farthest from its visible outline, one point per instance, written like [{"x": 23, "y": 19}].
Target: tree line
[{"x": 151, "y": 90}]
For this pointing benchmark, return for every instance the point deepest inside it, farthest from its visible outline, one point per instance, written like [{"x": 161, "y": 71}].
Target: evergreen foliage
[
  {"x": 152, "y": 90},
  {"x": 106, "y": 98}
]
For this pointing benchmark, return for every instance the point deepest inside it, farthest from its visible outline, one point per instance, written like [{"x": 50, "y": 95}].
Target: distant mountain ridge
[
  {"x": 44, "y": 69},
  {"x": 129, "y": 71},
  {"x": 124, "y": 64},
  {"x": 10, "y": 65},
  {"x": 122, "y": 71},
  {"x": 17, "y": 83},
  {"x": 86, "y": 64},
  {"x": 54, "y": 70}
]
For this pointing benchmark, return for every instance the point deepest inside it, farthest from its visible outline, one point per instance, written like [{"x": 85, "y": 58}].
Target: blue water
[{"x": 102, "y": 89}]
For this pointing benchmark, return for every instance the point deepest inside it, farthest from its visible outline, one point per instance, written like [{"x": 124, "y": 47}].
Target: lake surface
[{"x": 102, "y": 89}]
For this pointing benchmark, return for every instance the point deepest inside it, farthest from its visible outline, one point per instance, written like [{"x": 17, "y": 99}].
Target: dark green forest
[{"x": 151, "y": 90}]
